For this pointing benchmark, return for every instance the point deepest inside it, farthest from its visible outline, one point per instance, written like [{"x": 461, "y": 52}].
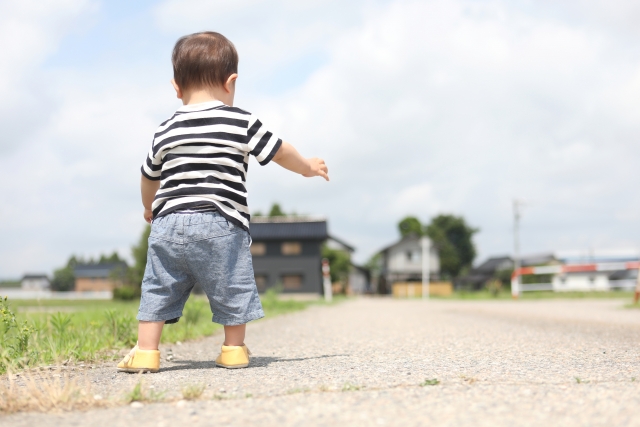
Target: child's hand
[
  {"x": 317, "y": 168},
  {"x": 148, "y": 215}
]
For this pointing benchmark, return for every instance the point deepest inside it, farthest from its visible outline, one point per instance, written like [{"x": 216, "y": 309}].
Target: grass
[
  {"x": 433, "y": 381},
  {"x": 46, "y": 391},
  {"x": 141, "y": 393},
  {"x": 351, "y": 387},
  {"x": 192, "y": 391},
  {"x": 37, "y": 333}
]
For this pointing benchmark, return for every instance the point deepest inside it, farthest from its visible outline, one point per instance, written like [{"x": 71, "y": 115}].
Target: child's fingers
[{"x": 323, "y": 174}]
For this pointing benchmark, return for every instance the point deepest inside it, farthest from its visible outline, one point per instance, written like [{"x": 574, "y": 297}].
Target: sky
[{"x": 418, "y": 107}]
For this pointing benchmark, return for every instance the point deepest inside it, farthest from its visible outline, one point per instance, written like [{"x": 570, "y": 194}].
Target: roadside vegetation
[{"x": 40, "y": 333}]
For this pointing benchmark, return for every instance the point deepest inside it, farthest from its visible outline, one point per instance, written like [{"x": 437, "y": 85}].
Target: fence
[
  {"x": 517, "y": 287},
  {"x": 414, "y": 289}
]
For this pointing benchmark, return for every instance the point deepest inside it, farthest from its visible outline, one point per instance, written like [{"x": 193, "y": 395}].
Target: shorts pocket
[{"x": 208, "y": 230}]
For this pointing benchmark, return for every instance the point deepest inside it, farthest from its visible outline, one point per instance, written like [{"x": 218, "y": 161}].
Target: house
[
  {"x": 402, "y": 262},
  {"x": 98, "y": 277},
  {"x": 616, "y": 275},
  {"x": 359, "y": 280},
  {"x": 562, "y": 274},
  {"x": 496, "y": 266},
  {"x": 287, "y": 251},
  {"x": 35, "y": 282}
]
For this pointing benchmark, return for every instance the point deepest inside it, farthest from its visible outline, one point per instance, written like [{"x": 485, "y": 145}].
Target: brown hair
[{"x": 203, "y": 60}]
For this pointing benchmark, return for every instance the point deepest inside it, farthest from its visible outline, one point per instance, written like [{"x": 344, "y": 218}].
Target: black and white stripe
[{"x": 201, "y": 157}]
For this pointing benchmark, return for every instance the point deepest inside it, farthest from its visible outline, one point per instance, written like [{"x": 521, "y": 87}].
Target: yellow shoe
[
  {"x": 233, "y": 356},
  {"x": 140, "y": 361}
]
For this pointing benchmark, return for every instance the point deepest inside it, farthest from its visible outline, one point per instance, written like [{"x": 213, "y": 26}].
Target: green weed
[
  {"x": 298, "y": 390},
  {"x": 192, "y": 391},
  {"x": 427, "y": 382},
  {"x": 351, "y": 387},
  {"x": 141, "y": 393}
]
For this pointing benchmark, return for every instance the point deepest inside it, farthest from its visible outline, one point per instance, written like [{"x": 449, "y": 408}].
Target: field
[{"x": 36, "y": 333}]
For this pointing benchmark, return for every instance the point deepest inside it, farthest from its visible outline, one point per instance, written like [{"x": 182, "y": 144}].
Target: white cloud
[
  {"x": 419, "y": 107},
  {"x": 30, "y": 32}
]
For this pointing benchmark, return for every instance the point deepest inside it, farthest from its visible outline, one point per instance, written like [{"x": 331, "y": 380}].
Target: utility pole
[
  {"x": 515, "y": 280},
  {"x": 426, "y": 261},
  {"x": 326, "y": 280}
]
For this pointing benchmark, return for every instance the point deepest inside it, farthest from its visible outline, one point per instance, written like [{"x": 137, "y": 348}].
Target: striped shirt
[{"x": 201, "y": 156}]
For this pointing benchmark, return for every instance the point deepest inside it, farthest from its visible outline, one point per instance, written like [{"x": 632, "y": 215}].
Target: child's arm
[
  {"x": 148, "y": 189},
  {"x": 289, "y": 158}
]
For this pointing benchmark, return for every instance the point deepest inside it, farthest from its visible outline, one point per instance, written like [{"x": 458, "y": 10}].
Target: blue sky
[{"x": 419, "y": 107}]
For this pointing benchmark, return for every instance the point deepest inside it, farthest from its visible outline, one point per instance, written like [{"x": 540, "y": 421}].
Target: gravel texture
[{"x": 362, "y": 362}]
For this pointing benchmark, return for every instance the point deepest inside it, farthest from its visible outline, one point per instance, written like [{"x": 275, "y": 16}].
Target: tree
[
  {"x": 139, "y": 252},
  {"x": 452, "y": 238},
  {"x": 64, "y": 278},
  {"x": 114, "y": 258},
  {"x": 339, "y": 264},
  {"x": 276, "y": 210},
  {"x": 410, "y": 225}
]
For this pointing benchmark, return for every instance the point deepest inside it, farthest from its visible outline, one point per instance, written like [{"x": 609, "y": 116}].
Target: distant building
[
  {"x": 592, "y": 280},
  {"x": 490, "y": 269},
  {"x": 595, "y": 280},
  {"x": 287, "y": 251},
  {"x": 98, "y": 277},
  {"x": 359, "y": 280},
  {"x": 402, "y": 262},
  {"x": 35, "y": 282}
]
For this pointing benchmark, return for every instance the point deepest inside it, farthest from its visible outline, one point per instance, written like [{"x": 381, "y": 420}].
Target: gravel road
[{"x": 362, "y": 363}]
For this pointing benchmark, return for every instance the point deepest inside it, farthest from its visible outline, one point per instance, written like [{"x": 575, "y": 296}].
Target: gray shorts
[{"x": 203, "y": 248}]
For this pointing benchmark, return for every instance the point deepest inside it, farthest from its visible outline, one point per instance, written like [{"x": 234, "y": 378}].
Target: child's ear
[
  {"x": 177, "y": 88},
  {"x": 231, "y": 81}
]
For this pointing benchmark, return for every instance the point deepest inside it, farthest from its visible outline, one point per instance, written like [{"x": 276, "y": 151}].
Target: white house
[
  {"x": 35, "y": 282},
  {"x": 402, "y": 262}
]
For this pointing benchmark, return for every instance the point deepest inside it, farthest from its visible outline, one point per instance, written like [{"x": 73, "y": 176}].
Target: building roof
[
  {"x": 409, "y": 237},
  {"x": 345, "y": 245},
  {"x": 262, "y": 228},
  {"x": 96, "y": 270},
  {"x": 32, "y": 276},
  {"x": 494, "y": 263}
]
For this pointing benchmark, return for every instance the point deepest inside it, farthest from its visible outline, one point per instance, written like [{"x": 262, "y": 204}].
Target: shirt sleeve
[
  {"x": 262, "y": 143},
  {"x": 152, "y": 167}
]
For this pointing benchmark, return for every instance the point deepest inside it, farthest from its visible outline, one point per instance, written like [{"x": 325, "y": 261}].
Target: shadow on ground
[{"x": 256, "y": 362}]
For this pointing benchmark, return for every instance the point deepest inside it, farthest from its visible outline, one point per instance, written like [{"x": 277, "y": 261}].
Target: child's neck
[{"x": 198, "y": 96}]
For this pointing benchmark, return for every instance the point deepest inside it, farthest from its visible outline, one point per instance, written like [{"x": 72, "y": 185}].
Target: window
[
  {"x": 292, "y": 282},
  {"x": 291, "y": 248},
  {"x": 414, "y": 256},
  {"x": 261, "y": 282},
  {"x": 258, "y": 249}
]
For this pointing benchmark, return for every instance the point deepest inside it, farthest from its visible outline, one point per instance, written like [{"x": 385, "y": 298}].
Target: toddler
[{"x": 195, "y": 197}]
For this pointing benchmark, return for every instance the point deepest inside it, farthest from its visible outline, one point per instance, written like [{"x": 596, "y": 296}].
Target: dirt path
[{"x": 362, "y": 362}]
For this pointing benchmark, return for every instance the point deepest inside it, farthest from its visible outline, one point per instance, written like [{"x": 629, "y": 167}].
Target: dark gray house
[
  {"x": 480, "y": 275},
  {"x": 287, "y": 251}
]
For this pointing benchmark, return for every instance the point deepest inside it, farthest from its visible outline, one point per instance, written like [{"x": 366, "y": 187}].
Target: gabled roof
[
  {"x": 407, "y": 238},
  {"x": 494, "y": 263},
  {"x": 314, "y": 228},
  {"x": 96, "y": 270},
  {"x": 32, "y": 276}
]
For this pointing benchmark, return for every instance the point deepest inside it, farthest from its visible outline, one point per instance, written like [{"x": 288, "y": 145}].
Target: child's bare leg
[
  {"x": 149, "y": 335},
  {"x": 234, "y": 335}
]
